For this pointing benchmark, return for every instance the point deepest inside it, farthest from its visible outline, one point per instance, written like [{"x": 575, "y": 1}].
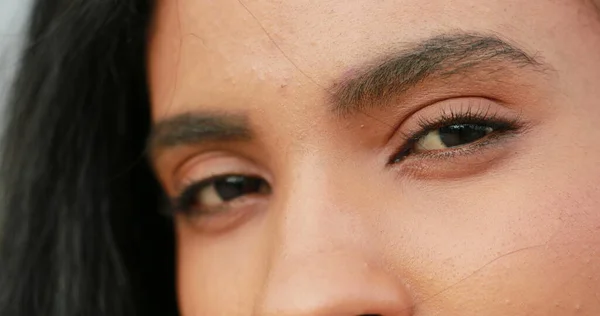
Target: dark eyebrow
[
  {"x": 195, "y": 128},
  {"x": 443, "y": 55}
]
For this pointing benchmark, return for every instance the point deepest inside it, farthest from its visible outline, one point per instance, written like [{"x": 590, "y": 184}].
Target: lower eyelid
[
  {"x": 444, "y": 153},
  {"x": 214, "y": 223},
  {"x": 459, "y": 162},
  {"x": 225, "y": 207}
]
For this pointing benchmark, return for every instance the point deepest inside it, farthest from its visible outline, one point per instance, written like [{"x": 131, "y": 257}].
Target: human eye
[
  {"x": 221, "y": 193},
  {"x": 214, "y": 191},
  {"x": 460, "y": 129}
]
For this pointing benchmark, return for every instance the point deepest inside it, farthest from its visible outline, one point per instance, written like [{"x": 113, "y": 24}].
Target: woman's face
[{"x": 390, "y": 157}]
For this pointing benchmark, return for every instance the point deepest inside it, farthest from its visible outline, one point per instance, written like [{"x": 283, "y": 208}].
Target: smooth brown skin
[{"x": 512, "y": 228}]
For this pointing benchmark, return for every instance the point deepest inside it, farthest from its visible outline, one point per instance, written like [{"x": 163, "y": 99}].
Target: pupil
[
  {"x": 233, "y": 187},
  {"x": 461, "y": 134}
]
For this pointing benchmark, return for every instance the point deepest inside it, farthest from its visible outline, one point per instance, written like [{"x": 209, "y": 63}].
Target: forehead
[{"x": 221, "y": 53}]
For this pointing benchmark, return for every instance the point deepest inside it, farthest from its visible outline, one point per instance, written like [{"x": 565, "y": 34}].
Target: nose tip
[{"x": 335, "y": 289}]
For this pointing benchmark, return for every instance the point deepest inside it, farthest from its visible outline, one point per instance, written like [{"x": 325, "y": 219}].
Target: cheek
[
  {"x": 542, "y": 257},
  {"x": 524, "y": 239},
  {"x": 220, "y": 274}
]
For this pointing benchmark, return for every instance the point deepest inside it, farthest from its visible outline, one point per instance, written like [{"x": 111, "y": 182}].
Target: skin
[{"x": 509, "y": 229}]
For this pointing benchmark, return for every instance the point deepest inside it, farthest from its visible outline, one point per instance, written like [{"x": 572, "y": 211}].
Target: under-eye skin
[
  {"x": 220, "y": 194},
  {"x": 457, "y": 132}
]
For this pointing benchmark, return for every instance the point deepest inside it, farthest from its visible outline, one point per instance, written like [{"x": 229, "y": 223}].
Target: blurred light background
[{"x": 13, "y": 14}]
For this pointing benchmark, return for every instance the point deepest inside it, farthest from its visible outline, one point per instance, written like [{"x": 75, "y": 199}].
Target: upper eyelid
[
  {"x": 198, "y": 184},
  {"x": 406, "y": 135},
  {"x": 460, "y": 106},
  {"x": 209, "y": 164},
  {"x": 425, "y": 124},
  {"x": 464, "y": 112}
]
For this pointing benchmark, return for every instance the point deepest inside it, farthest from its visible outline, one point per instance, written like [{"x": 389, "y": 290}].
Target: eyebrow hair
[
  {"x": 443, "y": 55},
  {"x": 596, "y": 5},
  {"x": 194, "y": 128}
]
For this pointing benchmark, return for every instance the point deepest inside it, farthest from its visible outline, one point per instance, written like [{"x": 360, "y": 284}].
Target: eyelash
[
  {"x": 500, "y": 125},
  {"x": 184, "y": 203}
]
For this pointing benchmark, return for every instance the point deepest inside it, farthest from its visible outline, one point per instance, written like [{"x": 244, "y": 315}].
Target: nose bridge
[
  {"x": 321, "y": 262},
  {"x": 312, "y": 214}
]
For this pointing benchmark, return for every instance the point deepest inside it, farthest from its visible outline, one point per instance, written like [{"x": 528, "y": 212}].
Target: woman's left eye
[{"x": 450, "y": 136}]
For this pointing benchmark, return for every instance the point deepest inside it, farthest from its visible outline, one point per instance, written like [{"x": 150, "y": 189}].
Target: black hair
[
  {"x": 81, "y": 231},
  {"x": 81, "y": 234}
]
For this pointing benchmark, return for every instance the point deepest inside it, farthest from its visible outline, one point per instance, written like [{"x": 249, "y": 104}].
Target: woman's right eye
[{"x": 221, "y": 193}]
